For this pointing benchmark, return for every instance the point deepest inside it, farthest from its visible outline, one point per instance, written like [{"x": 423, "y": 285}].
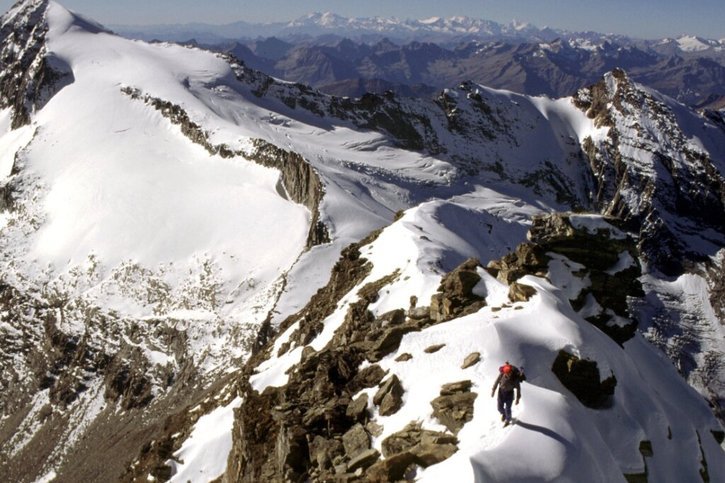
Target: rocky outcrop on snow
[
  {"x": 318, "y": 405},
  {"x": 454, "y": 407},
  {"x": 606, "y": 259},
  {"x": 582, "y": 378},
  {"x": 29, "y": 74}
]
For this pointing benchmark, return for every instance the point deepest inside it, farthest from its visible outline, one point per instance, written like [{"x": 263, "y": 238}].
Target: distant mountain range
[
  {"x": 352, "y": 56},
  {"x": 443, "y": 30},
  {"x": 557, "y": 68}
]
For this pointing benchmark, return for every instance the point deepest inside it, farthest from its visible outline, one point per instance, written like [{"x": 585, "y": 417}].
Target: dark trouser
[{"x": 505, "y": 400}]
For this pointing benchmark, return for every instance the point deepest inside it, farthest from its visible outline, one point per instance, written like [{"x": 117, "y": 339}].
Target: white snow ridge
[{"x": 208, "y": 274}]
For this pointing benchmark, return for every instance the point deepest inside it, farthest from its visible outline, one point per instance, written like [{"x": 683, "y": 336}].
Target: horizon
[{"x": 670, "y": 18}]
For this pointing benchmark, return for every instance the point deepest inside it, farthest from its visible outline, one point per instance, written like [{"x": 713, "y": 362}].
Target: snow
[
  {"x": 624, "y": 262},
  {"x": 47, "y": 478},
  {"x": 203, "y": 456},
  {"x": 595, "y": 224},
  {"x": 689, "y": 43}
]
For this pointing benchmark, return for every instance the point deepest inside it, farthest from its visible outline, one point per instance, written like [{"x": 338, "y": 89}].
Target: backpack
[{"x": 512, "y": 379}]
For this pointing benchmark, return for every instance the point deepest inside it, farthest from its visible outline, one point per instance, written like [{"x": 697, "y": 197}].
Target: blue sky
[{"x": 639, "y": 18}]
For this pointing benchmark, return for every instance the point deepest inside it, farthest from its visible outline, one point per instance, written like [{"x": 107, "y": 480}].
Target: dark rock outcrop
[
  {"x": 455, "y": 297},
  {"x": 471, "y": 360},
  {"x": 390, "y": 396},
  {"x": 29, "y": 76},
  {"x": 686, "y": 195},
  {"x": 454, "y": 407},
  {"x": 527, "y": 259},
  {"x": 582, "y": 378},
  {"x": 410, "y": 447},
  {"x": 598, "y": 251}
]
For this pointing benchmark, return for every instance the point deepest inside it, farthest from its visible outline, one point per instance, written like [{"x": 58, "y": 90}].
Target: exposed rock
[
  {"x": 396, "y": 467},
  {"x": 394, "y": 317},
  {"x": 716, "y": 279},
  {"x": 363, "y": 460},
  {"x": 412, "y": 446},
  {"x": 434, "y": 348},
  {"x": 582, "y": 378},
  {"x": 355, "y": 441},
  {"x": 374, "y": 428},
  {"x": 30, "y": 75},
  {"x": 456, "y": 387},
  {"x": 419, "y": 313},
  {"x": 427, "y": 454},
  {"x": 471, "y": 359},
  {"x": 455, "y": 297},
  {"x": 597, "y": 251},
  {"x": 390, "y": 396},
  {"x": 687, "y": 190},
  {"x": 357, "y": 410},
  {"x": 292, "y": 453},
  {"x": 413, "y": 435},
  {"x": 390, "y": 341},
  {"x": 519, "y": 292},
  {"x": 454, "y": 407},
  {"x": 528, "y": 258},
  {"x": 404, "y": 357},
  {"x": 323, "y": 451},
  {"x": 368, "y": 377}
]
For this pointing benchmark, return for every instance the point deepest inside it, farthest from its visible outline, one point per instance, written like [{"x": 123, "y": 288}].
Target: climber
[{"x": 508, "y": 380}]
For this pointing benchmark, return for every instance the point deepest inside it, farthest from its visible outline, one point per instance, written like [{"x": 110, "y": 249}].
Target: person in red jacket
[{"x": 508, "y": 381}]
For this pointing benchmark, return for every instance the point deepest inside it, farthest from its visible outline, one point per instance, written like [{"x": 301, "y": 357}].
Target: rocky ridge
[{"x": 301, "y": 430}]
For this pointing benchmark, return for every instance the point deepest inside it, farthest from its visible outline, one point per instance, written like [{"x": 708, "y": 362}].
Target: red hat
[{"x": 506, "y": 369}]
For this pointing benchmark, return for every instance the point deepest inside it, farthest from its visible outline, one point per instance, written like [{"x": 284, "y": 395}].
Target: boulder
[
  {"x": 323, "y": 451},
  {"x": 471, "y": 359},
  {"x": 404, "y": 357},
  {"x": 411, "y": 447},
  {"x": 581, "y": 377},
  {"x": 368, "y": 377},
  {"x": 363, "y": 460},
  {"x": 454, "y": 407},
  {"x": 434, "y": 348},
  {"x": 455, "y": 295},
  {"x": 397, "y": 467},
  {"x": 390, "y": 396},
  {"x": 519, "y": 292},
  {"x": 412, "y": 436},
  {"x": 456, "y": 387},
  {"x": 357, "y": 410},
  {"x": 528, "y": 258},
  {"x": 419, "y": 313},
  {"x": 355, "y": 441},
  {"x": 389, "y": 341}
]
